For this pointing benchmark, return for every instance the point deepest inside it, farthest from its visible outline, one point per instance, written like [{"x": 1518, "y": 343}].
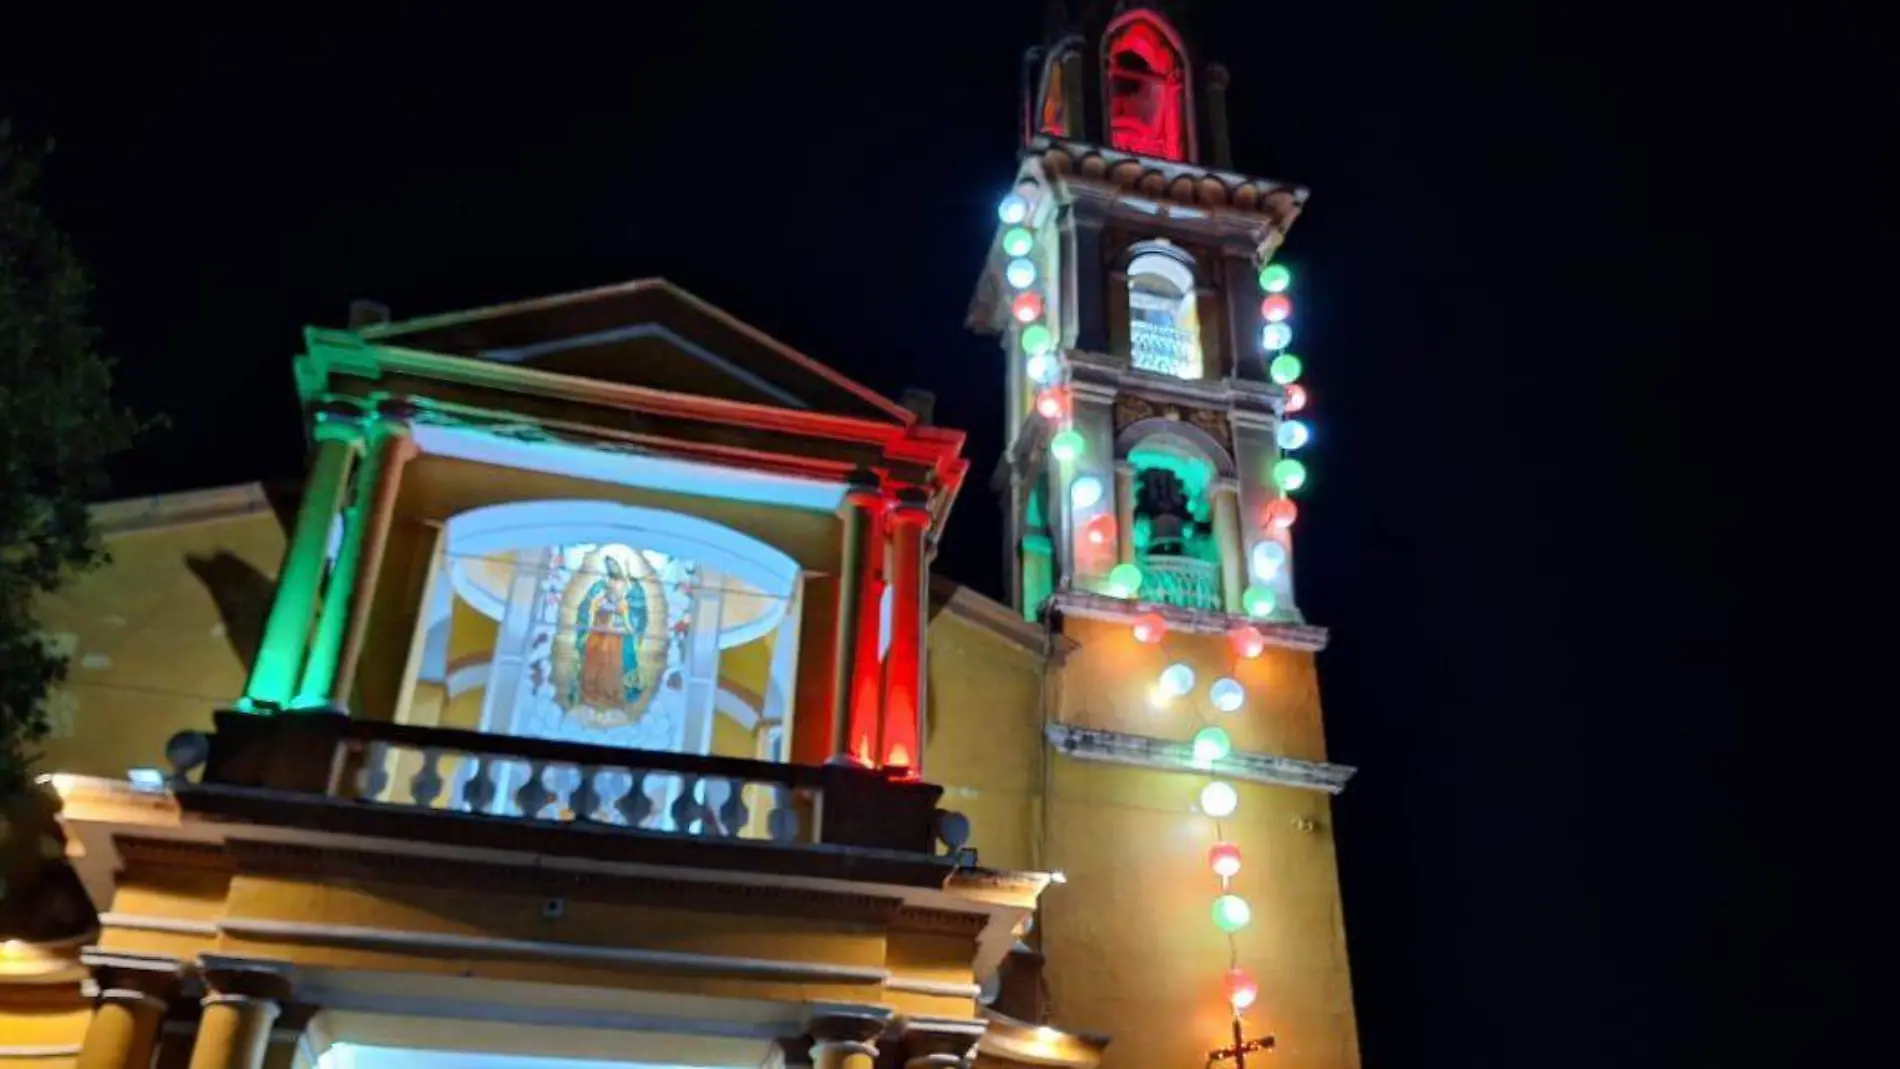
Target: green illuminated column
[
  {"x": 1233, "y": 551},
  {"x": 338, "y": 643},
  {"x": 287, "y": 631}
]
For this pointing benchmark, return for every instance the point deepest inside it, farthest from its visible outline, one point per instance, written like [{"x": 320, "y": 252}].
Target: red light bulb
[
  {"x": 1224, "y": 859},
  {"x": 1242, "y": 991},
  {"x": 1247, "y": 641},
  {"x": 1281, "y": 513},
  {"x": 1027, "y": 308},
  {"x": 1052, "y": 404},
  {"x": 1099, "y": 531},
  {"x": 1149, "y": 629},
  {"x": 1276, "y": 308},
  {"x": 1295, "y": 397}
]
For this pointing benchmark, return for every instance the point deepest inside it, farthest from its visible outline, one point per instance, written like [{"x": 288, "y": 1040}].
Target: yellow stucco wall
[
  {"x": 1129, "y": 937},
  {"x": 983, "y": 743},
  {"x": 159, "y": 638}
]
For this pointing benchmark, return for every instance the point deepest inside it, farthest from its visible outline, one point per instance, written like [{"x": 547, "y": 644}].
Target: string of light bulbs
[{"x": 1046, "y": 368}]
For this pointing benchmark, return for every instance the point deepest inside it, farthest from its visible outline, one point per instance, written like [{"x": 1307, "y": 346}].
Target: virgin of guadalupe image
[{"x": 608, "y": 626}]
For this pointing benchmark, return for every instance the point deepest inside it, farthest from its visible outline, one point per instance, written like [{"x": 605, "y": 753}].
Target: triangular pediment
[{"x": 647, "y": 333}]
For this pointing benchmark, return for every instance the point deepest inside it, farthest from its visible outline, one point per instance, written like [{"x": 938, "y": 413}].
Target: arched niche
[{"x": 481, "y": 541}]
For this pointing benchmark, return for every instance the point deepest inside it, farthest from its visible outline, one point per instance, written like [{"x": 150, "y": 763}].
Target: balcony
[
  {"x": 1188, "y": 582},
  {"x": 442, "y": 785}
]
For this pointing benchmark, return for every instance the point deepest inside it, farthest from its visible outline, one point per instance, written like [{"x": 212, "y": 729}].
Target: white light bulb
[
  {"x": 1268, "y": 558},
  {"x": 1219, "y": 799},
  {"x": 1227, "y": 695},
  {"x": 1013, "y": 209},
  {"x": 1177, "y": 680},
  {"x": 1085, "y": 492},
  {"x": 1042, "y": 368},
  {"x": 1020, "y": 273}
]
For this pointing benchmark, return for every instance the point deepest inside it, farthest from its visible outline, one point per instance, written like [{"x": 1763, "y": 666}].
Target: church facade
[{"x": 592, "y": 700}]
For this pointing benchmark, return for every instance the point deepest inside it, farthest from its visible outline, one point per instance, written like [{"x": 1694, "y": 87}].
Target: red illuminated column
[
  {"x": 856, "y": 687},
  {"x": 902, "y": 744}
]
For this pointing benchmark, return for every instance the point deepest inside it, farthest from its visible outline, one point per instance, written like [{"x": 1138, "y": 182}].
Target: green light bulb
[
  {"x": 1289, "y": 475},
  {"x": 1017, "y": 241},
  {"x": 1037, "y": 339},
  {"x": 1066, "y": 445},
  {"x": 1211, "y": 744},
  {"x": 1285, "y": 369},
  {"x": 1231, "y": 913},
  {"x": 1258, "y": 601},
  {"x": 1124, "y": 580},
  {"x": 1275, "y": 278}
]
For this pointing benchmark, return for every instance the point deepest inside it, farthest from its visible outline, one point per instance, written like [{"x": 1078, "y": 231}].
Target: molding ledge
[
  {"x": 1286, "y": 634},
  {"x": 1116, "y": 747}
]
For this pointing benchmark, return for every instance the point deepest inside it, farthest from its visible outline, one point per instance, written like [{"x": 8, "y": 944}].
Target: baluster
[
  {"x": 634, "y": 806},
  {"x": 479, "y": 791},
  {"x": 734, "y": 814},
  {"x": 426, "y": 784},
  {"x": 586, "y": 797},
  {"x": 373, "y": 778},
  {"x": 686, "y": 807},
  {"x": 782, "y": 822},
  {"x": 567, "y": 779},
  {"x": 533, "y": 795}
]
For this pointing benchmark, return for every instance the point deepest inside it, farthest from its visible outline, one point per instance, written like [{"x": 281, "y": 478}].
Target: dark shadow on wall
[{"x": 243, "y": 596}]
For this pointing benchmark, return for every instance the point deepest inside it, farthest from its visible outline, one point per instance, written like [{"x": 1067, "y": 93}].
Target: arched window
[
  {"x": 1147, "y": 88},
  {"x": 1059, "y": 111},
  {"x": 1164, "y": 330}
]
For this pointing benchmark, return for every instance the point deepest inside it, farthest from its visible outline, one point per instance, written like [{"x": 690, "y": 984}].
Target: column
[
  {"x": 859, "y": 513},
  {"x": 846, "y": 1039},
  {"x": 130, "y": 993},
  {"x": 902, "y": 742},
  {"x": 242, "y": 1000},
  {"x": 280, "y": 654},
  {"x": 940, "y": 1044},
  {"x": 1233, "y": 551},
  {"x": 338, "y": 643},
  {"x": 1125, "y": 511},
  {"x": 123, "y": 1029}
]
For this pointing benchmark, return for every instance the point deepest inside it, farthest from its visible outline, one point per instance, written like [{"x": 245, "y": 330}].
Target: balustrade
[
  {"x": 412, "y": 768},
  {"x": 1189, "y": 582},
  {"x": 534, "y": 779}
]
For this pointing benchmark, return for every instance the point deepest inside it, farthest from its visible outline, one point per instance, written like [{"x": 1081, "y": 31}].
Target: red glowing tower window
[{"x": 1147, "y": 88}]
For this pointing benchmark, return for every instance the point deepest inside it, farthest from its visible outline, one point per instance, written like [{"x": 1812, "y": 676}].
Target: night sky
[{"x": 1527, "y": 408}]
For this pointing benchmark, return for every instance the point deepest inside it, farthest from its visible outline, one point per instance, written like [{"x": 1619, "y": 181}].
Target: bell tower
[
  {"x": 1155, "y": 429},
  {"x": 1152, "y": 391}
]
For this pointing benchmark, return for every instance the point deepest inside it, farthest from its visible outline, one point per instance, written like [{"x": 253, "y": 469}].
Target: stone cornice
[
  {"x": 1177, "y": 181},
  {"x": 1103, "y": 372},
  {"x": 1287, "y": 635},
  {"x": 1116, "y": 747}
]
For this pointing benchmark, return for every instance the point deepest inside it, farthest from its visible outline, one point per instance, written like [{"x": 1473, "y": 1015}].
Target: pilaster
[
  {"x": 1227, "y": 536},
  {"x": 1125, "y": 511}
]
